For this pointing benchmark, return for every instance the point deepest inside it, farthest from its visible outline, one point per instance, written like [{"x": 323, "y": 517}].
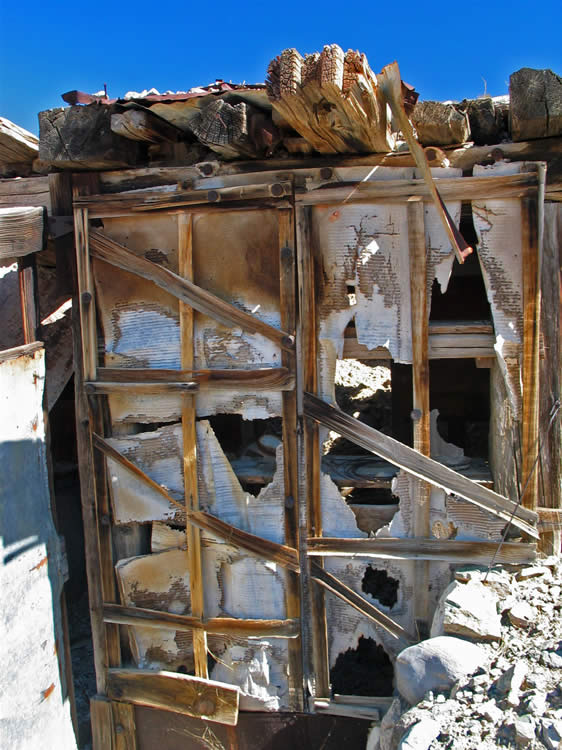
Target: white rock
[
  {"x": 469, "y": 610},
  {"x": 552, "y": 734},
  {"x": 533, "y": 572},
  {"x": 436, "y": 664},
  {"x": 420, "y": 736},
  {"x": 509, "y": 684},
  {"x": 524, "y": 730},
  {"x": 490, "y": 711},
  {"x": 522, "y": 615}
]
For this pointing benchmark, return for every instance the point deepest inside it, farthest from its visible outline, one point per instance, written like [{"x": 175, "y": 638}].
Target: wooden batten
[
  {"x": 262, "y": 379},
  {"x": 192, "y": 696},
  {"x": 421, "y": 466}
]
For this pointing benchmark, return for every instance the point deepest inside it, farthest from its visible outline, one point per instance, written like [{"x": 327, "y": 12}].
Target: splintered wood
[{"x": 332, "y": 99}]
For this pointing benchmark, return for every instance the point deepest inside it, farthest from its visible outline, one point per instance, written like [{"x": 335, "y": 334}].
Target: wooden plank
[
  {"x": 449, "y": 550},
  {"x": 27, "y": 272},
  {"x": 107, "y": 205},
  {"x": 450, "y": 189},
  {"x": 247, "y": 628},
  {"x": 339, "y": 589},
  {"x": 124, "y": 729},
  {"x": 143, "y": 125},
  {"x": 288, "y": 307},
  {"x": 108, "y": 250},
  {"x": 106, "y": 387},
  {"x": 262, "y": 379},
  {"x": 193, "y": 696},
  {"x": 420, "y": 383},
  {"x": 347, "y": 709},
  {"x": 17, "y": 145},
  {"x": 421, "y": 466},
  {"x": 550, "y": 519},
  {"x": 22, "y": 231},
  {"x": 101, "y": 717},
  {"x": 185, "y": 267},
  {"x": 531, "y": 267},
  {"x": 390, "y": 83},
  {"x": 307, "y": 299}
]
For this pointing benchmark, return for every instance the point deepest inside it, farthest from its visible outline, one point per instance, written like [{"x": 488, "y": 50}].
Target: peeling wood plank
[
  {"x": 421, "y": 466},
  {"x": 101, "y": 717},
  {"x": 336, "y": 587},
  {"x": 264, "y": 378},
  {"x": 392, "y": 191},
  {"x": 189, "y": 440},
  {"x": 193, "y": 696},
  {"x": 106, "y": 249},
  {"x": 246, "y": 628},
  {"x": 449, "y": 550},
  {"x": 389, "y": 81},
  {"x": 125, "y": 732}
]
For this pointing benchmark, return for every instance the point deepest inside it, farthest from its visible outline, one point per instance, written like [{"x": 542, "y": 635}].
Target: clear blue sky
[{"x": 446, "y": 50}]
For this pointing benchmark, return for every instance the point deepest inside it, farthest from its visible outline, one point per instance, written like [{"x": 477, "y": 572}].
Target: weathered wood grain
[
  {"x": 101, "y": 717},
  {"x": 105, "y": 387},
  {"x": 125, "y": 733},
  {"x": 265, "y": 378},
  {"x": 22, "y": 231},
  {"x": 193, "y": 696},
  {"x": 144, "y": 125}
]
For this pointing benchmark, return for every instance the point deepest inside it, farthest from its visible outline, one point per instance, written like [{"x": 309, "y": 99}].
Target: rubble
[{"x": 513, "y": 696}]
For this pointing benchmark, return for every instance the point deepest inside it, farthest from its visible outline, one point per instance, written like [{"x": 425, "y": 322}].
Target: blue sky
[{"x": 446, "y": 50}]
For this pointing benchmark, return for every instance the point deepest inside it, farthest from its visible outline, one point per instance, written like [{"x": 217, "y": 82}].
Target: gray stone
[
  {"x": 522, "y": 615},
  {"x": 509, "y": 684},
  {"x": 491, "y": 712},
  {"x": 388, "y": 722},
  {"x": 421, "y": 735},
  {"x": 436, "y": 664},
  {"x": 552, "y": 734},
  {"x": 524, "y": 730},
  {"x": 469, "y": 610},
  {"x": 552, "y": 659},
  {"x": 536, "y": 704}
]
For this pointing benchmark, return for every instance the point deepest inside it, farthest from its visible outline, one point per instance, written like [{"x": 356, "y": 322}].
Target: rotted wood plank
[
  {"x": 185, "y": 265},
  {"x": 390, "y": 83},
  {"x": 264, "y": 378},
  {"x": 420, "y": 381},
  {"x": 421, "y": 466},
  {"x": 339, "y": 589},
  {"x": 193, "y": 696},
  {"x": 288, "y": 307},
  {"x": 319, "y": 626},
  {"x": 247, "y": 628},
  {"x": 450, "y": 550},
  {"x": 124, "y": 729},
  {"x": 101, "y": 717},
  {"x": 106, "y": 249}
]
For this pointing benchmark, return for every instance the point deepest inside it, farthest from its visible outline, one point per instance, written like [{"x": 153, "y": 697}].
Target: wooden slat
[
  {"x": 530, "y": 369},
  {"x": 450, "y": 189},
  {"x": 193, "y": 696},
  {"x": 420, "y": 382},
  {"x": 101, "y": 717},
  {"x": 189, "y": 439},
  {"x": 390, "y": 83},
  {"x": 307, "y": 300},
  {"x": 108, "y": 250},
  {"x": 22, "y": 231},
  {"x": 550, "y": 519},
  {"x": 27, "y": 272},
  {"x": 248, "y": 628},
  {"x": 86, "y": 303},
  {"x": 106, "y": 205},
  {"x": 132, "y": 389},
  {"x": 288, "y": 308},
  {"x": 262, "y": 379},
  {"x": 343, "y": 592},
  {"x": 449, "y": 550},
  {"x": 125, "y": 733},
  {"x": 421, "y": 466},
  {"x": 356, "y": 711}
]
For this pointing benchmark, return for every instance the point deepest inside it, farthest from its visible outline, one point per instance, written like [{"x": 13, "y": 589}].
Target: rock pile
[{"x": 490, "y": 675}]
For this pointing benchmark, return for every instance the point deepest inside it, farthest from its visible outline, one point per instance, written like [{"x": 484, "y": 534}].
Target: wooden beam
[
  {"x": 531, "y": 336},
  {"x": 144, "y": 125},
  {"x": 125, "y": 732},
  {"x": 390, "y": 83},
  {"x": 309, "y": 365},
  {"x": 22, "y": 231},
  {"x": 343, "y": 592},
  {"x": 421, "y": 466},
  {"x": 110, "y": 251},
  {"x": 132, "y": 389},
  {"x": 448, "y": 550},
  {"x": 189, "y": 440},
  {"x": 262, "y": 379},
  {"x": 450, "y": 189},
  {"x": 192, "y": 696},
  {"x": 151, "y": 618},
  {"x": 420, "y": 381},
  {"x": 101, "y": 717},
  {"x": 288, "y": 309}
]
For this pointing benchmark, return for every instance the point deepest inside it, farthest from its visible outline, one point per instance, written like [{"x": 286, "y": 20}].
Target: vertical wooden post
[
  {"x": 290, "y": 450},
  {"x": 185, "y": 262},
  {"x": 27, "y": 272},
  {"x": 309, "y": 383},
  {"x": 102, "y": 723},
  {"x": 420, "y": 378},
  {"x": 531, "y": 333},
  {"x": 124, "y": 728}
]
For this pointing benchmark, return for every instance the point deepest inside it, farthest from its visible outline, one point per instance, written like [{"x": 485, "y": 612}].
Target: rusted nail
[
  {"x": 326, "y": 173},
  {"x": 86, "y": 298},
  {"x": 205, "y": 168},
  {"x": 212, "y": 196},
  {"x": 119, "y": 729},
  {"x": 277, "y": 190},
  {"x": 416, "y": 415},
  {"x": 286, "y": 253},
  {"x": 89, "y": 388}
]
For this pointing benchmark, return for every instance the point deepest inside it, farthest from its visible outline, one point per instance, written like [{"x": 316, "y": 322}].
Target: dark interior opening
[
  {"x": 365, "y": 670},
  {"x": 380, "y": 586}
]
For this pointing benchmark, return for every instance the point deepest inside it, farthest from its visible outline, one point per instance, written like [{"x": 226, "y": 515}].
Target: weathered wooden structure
[{"x": 213, "y": 306}]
